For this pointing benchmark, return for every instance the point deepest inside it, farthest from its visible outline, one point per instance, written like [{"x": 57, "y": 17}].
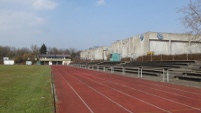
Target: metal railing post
[
  {"x": 112, "y": 69},
  {"x": 163, "y": 75},
  {"x": 167, "y": 75},
  {"x": 97, "y": 68},
  {"x": 123, "y": 70},
  {"x": 141, "y": 72},
  {"x": 138, "y": 75}
]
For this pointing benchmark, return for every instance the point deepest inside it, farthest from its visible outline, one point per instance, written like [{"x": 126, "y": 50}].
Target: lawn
[{"x": 25, "y": 89}]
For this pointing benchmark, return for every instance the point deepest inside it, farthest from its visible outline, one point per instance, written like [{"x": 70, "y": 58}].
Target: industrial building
[{"x": 154, "y": 43}]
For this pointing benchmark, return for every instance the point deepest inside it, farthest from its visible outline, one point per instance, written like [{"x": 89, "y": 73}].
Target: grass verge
[{"x": 25, "y": 89}]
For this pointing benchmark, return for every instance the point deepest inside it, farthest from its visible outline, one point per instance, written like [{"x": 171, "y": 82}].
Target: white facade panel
[
  {"x": 159, "y": 47},
  {"x": 179, "y": 48},
  {"x": 139, "y": 45}
]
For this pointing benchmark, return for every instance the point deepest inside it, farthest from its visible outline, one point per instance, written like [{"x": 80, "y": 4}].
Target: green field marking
[{"x": 25, "y": 89}]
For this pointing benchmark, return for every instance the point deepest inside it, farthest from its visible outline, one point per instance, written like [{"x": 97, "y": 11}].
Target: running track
[{"x": 86, "y": 91}]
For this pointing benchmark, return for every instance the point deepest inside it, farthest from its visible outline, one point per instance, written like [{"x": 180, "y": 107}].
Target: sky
[{"x": 82, "y": 24}]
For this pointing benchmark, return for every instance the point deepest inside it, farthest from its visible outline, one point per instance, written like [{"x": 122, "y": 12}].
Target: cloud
[
  {"x": 22, "y": 21},
  {"x": 15, "y": 20},
  {"x": 100, "y": 2},
  {"x": 38, "y": 21},
  {"x": 44, "y": 4},
  {"x": 23, "y": 14},
  {"x": 11, "y": 19},
  {"x": 33, "y": 4}
]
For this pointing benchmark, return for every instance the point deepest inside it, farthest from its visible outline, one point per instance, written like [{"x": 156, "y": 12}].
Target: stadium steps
[{"x": 178, "y": 70}]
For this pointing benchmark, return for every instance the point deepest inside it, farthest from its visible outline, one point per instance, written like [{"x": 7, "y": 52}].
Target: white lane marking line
[
  {"x": 172, "y": 93},
  {"x": 105, "y": 96},
  {"x": 161, "y": 86},
  {"x": 78, "y": 95},
  {"x": 173, "y": 88},
  {"x": 154, "y": 95},
  {"x": 129, "y": 95}
]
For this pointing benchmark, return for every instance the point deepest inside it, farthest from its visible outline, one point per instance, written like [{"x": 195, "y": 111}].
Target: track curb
[{"x": 53, "y": 94}]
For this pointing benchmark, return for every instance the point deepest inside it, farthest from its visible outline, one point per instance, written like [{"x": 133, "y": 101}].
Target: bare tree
[
  {"x": 192, "y": 20},
  {"x": 35, "y": 49},
  {"x": 192, "y": 16},
  {"x": 53, "y": 50}
]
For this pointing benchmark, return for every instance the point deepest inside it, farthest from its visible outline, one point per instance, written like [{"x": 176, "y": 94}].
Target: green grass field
[{"x": 25, "y": 89}]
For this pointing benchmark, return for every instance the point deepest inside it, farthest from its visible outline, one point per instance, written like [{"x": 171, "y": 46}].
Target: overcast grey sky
[{"x": 82, "y": 24}]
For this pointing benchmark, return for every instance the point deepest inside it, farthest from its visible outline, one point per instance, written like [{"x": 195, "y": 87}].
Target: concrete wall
[
  {"x": 174, "y": 44},
  {"x": 99, "y": 53},
  {"x": 158, "y": 43}
]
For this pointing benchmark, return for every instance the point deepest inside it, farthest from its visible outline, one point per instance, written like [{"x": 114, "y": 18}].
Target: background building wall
[{"x": 140, "y": 45}]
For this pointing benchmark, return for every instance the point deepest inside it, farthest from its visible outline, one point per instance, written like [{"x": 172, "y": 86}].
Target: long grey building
[{"x": 147, "y": 43}]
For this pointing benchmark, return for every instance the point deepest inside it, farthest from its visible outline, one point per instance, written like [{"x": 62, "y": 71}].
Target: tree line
[{"x": 21, "y": 55}]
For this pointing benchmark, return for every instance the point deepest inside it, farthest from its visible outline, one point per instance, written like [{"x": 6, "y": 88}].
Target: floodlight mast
[{"x": 104, "y": 53}]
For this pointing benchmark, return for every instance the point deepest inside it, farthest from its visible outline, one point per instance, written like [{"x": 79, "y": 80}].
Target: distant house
[
  {"x": 54, "y": 59},
  {"x": 28, "y": 62},
  {"x": 7, "y": 61}
]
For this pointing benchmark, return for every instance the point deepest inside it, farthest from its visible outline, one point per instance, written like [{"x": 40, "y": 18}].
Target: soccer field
[{"x": 25, "y": 89}]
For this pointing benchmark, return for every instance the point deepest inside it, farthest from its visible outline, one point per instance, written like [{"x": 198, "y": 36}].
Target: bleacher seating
[{"x": 182, "y": 70}]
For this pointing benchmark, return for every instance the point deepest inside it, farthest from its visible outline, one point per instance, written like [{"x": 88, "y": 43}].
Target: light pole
[
  {"x": 88, "y": 56},
  {"x": 104, "y": 53}
]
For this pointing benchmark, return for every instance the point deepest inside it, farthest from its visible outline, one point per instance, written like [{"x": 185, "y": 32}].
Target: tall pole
[{"x": 103, "y": 55}]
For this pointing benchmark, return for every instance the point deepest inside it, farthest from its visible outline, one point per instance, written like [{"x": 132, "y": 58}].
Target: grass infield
[{"x": 25, "y": 89}]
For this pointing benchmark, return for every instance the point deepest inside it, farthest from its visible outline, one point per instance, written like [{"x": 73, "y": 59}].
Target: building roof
[{"x": 54, "y": 55}]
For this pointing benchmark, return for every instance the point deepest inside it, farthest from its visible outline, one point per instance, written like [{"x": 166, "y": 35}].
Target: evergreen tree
[{"x": 43, "y": 49}]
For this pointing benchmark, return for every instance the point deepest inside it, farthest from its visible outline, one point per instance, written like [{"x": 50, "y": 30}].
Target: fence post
[
  {"x": 163, "y": 75},
  {"x": 97, "y": 68},
  {"x": 112, "y": 69},
  {"x": 138, "y": 75},
  {"x": 167, "y": 75},
  {"x": 123, "y": 70},
  {"x": 141, "y": 72}
]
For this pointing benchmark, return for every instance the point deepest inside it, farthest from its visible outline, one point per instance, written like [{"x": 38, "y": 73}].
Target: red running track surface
[{"x": 87, "y": 91}]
